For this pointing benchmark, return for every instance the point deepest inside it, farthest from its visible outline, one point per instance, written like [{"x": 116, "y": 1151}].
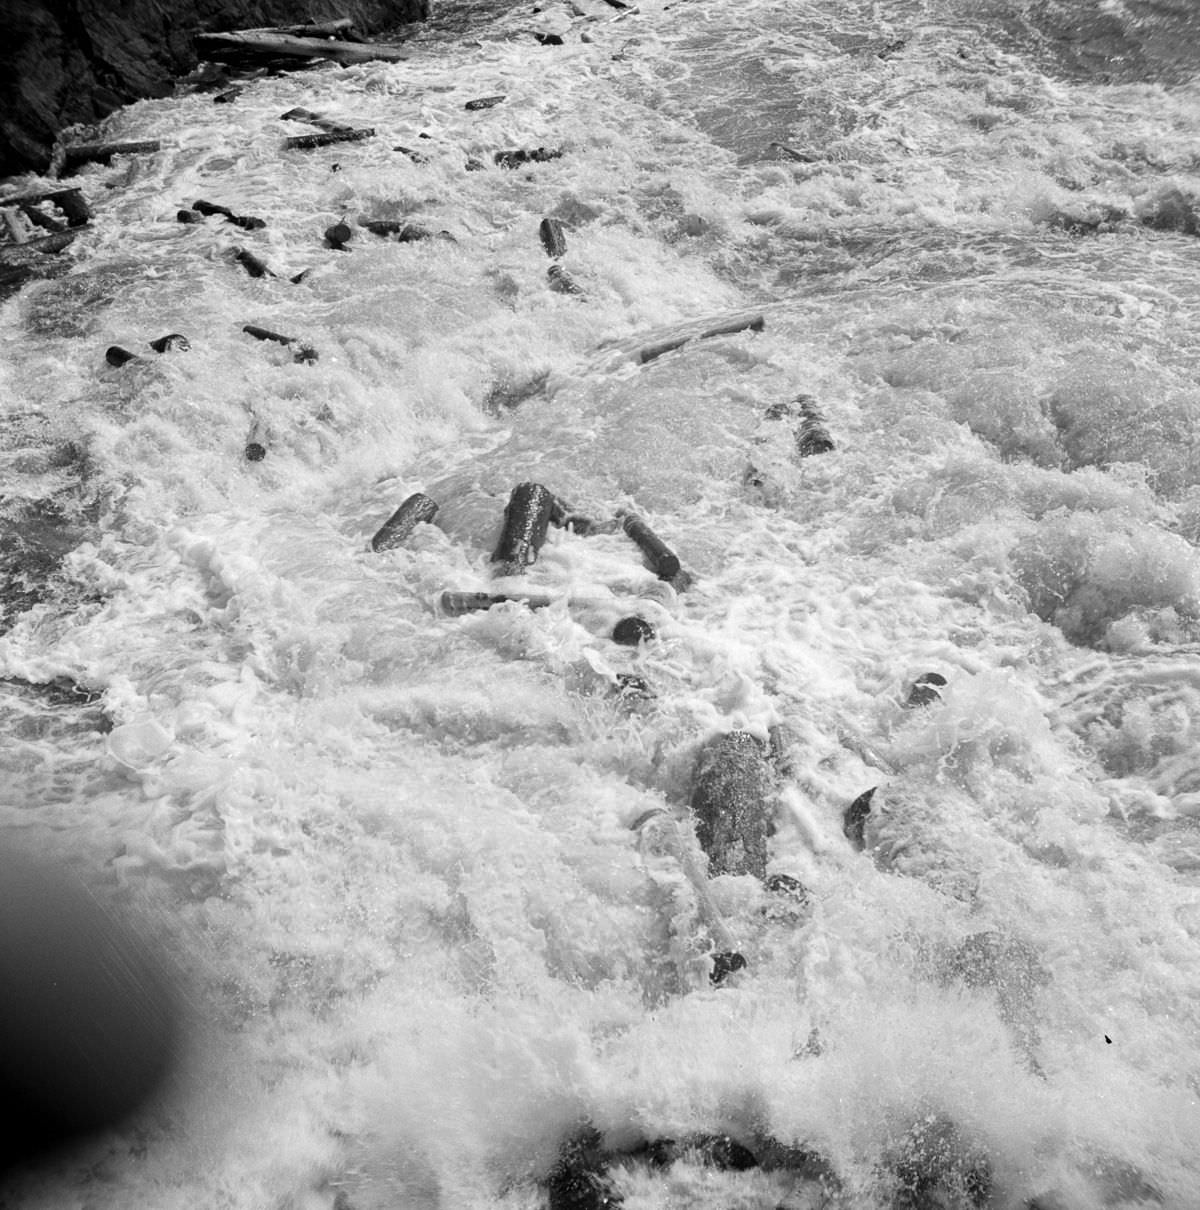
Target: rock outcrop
[{"x": 67, "y": 61}]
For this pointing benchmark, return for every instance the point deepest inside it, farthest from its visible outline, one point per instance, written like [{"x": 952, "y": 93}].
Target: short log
[
  {"x": 812, "y": 437},
  {"x": 518, "y": 158},
  {"x": 256, "y": 442},
  {"x": 251, "y": 263},
  {"x": 457, "y": 603},
  {"x": 526, "y": 521},
  {"x": 732, "y": 804},
  {"x": 854, "y": 822},
  {"x": 173, "y": 342},
  {"x": 484, "y": 102},
  {"x": 396, "y": 529},
  {"x": 301, "y": 351},
  {"x": 561, "y": 282},
  {"x": 553, "y": 238}
]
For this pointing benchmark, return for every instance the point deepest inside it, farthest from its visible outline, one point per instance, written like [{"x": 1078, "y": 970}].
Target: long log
[
  {"x": 754, "y": 323},
  {"x": 251, "y": 42}
]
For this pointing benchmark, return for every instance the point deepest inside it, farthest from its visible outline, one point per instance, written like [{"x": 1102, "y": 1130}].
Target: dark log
[
  {"x": 74, "y": 158},
  {"x": 417, "y": 508},
  {"x": 550, "y": 232},
  {"x": 256, "y": 442},
  {"x": 662, "y": 560},
  {"x": 406, "y": 233},
  {"x": 251, "y": 263},
  {"x": 338, "y": 235},
  {"x": 171, "y": 343},
  {"x": 227, "y": 97},
  {"x": 855, "y": 820},
  {"x": 250, "y": 42},
  {"x": 732, "y": 804},
  {"x": 117, "y": 356},
  {"x": 526, "y": 521},
  {"x": 22, "y": 253},
  {"x": 549, "y": 39},
  {"x": 754, "y": 323},
  {"x": 189, "y": 216},
  {"x": 305, "y": 142},
  {"x": 301, "y": 351},
  {"x": 245, "y": 221},
  {"x": 484, "y": 102}
]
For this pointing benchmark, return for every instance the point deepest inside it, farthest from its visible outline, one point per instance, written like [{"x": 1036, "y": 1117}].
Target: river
[{"x": 390, "y": 853}]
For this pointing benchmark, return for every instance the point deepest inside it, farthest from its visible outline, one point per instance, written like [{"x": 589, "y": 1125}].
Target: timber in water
[
  {"x": 71, "y": 159},
  {"x": 243, "y": 45},
  {"x": 396, "y": 529},
  {"x": 752, "y": 323},
  {"x": 526, "y": 521},
  {"x": 733, "y": 803},
  {"x": 301, "y": 351}
]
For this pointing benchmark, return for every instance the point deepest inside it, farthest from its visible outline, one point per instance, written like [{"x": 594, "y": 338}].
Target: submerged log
[
  {"x": 245, "y": 221},
  {"x": 173, "y": 342},
  {"x": 631, "y": 631},
  {"x": 417, "y": 508},
  {"x": 267, "y": 44},
  {"x": 732, "y": 804},
  {"x": 256, "y": 442},
  {"x": 924, "y": 690},
  {"x": 561, "y": 282},
  {"x": 457, "y": 603},
  {"x": 251, "y": 263},
  {"x": 753, "y": 323},
  {"x": 300, "y": 351},
  {"x": 74, "y": 158},
  {"x": 662, "y": 560},
  {"x": 117, "y": 356},
  {"x": 520, "y": 157},
  {"x": 854, "y": 822},
  {"x": 526, "y": 521},
  {"x": 69, "y": 202}
]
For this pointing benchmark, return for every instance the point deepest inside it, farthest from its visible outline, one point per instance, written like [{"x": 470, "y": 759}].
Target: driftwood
[
  {"x": 269, "y": 44},
  {"x": 526, "y": 520},
  {"x": 755, "y": 323},
  {"x": 300, "y": 351},
  {"x": 732, "y": 803},
  {"x": 305, "y": 142},
  {"x": 396, "y": 529},
  {"x": 74, "y": 158}
]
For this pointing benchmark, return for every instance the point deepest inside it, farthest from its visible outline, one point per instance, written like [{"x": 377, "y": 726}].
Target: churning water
[{"x": 389, "y": 851}]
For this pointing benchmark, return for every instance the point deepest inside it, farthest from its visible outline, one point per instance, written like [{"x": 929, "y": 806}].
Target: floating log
[
  {"x": 561, "y": 282},
  {"x": 519, "y": 157},
  {"x": 526, "y": 520},
  {"x": 812, "y": 437},
  {"x": 256, "y": 442},
  {"x": 484, "y": 102},
  {"x": 732, "y": 804},
  {"x": 245, "y": 221},
  {"x": 629, "y": 632},
  {"x": 457, "y": 603},
  {"x": 305, "y": 142},
  {"x": 173, "y": 342},
  {"x": 550, "y": 232},
  {"x": 301, "y": 351},
  {"x": 300, "y": 114},
  {"x": 251, "y": 263},
  {"x": 338, "y": 235},
  {"x": 417, "y": 508},
  {"x": 238, "y": 44},
  {"x": 924, "y": 691},
  {"x": 74, "y": 158},
  {"x": 228, "y": 96},
  {"x": 662, "y": 560},
  {"x": 854, "y": 822},
  {"x": 754, "y": 323},
  {"x": 406, "y": 233},
  {"x": 117, "y": 356},
  {"x": 417, "y": 157}
]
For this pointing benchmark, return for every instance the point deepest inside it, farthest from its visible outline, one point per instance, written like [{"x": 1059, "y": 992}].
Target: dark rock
[
  {"x": 577, "y": 1180},
  {"x": 117, "y": 356},
  {"x": 855, "y": 820},
  {"x": 417, "y": 508},
  {"x": 189, "y": 216},
  {"x": 549, "y": 39},
  {"x": 629, "y": 632},
  {"x": 62, "y": 64},
  {"x": 732, "y": 804},
  {"x": 338, "y": 235}
]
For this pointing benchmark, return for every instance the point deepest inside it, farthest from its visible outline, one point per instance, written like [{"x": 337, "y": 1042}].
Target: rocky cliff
[{"x": 65, "y": 61}]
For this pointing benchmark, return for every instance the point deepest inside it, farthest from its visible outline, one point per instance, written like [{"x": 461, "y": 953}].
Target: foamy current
[{"x": 389, "y": 851}]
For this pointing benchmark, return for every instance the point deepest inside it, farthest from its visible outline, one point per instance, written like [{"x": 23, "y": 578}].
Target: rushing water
[{"x": 388, "y": 852}]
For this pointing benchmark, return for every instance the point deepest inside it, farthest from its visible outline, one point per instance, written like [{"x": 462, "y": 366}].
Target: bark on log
[
  {"x": 732, "y": 804},
  {"x": 662, "y": 559},
  {"x": 74, "y": 158},
  {"x": 243, "y": 42},
  {"x": 417, "y": 508},
  {"x": 305, "y": 142},
  {"x": 526, "y": 520},
  {"x": 755, "y": 323}
]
